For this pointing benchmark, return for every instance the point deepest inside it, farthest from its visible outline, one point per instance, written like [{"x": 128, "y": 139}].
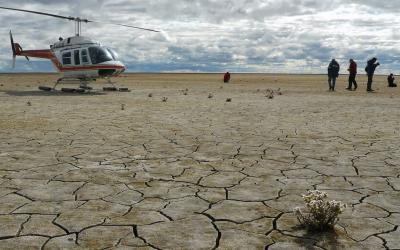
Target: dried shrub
[
  {"x": 319, "y": 214},
  {"x": 210, "y": 96},
  {"x": 229, "y": 100},
  {"x": 165, "y": 99},
  {"x": 269, "y": 93},
  {"x": 185, "y": 91},
  {"x": 150, "y": 95}
]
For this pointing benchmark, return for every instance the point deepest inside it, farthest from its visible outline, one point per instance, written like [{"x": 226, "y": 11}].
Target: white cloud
[{"x": 216, "y": 35}]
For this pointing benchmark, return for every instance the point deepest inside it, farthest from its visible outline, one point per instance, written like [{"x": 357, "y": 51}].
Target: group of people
[
  {"x": 334, "y": 68},
  {"x": 372, "y": 64},
  {"x": 333, "y": 73}
]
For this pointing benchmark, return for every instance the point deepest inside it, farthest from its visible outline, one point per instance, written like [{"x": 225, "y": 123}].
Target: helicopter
[{"x": 79, "y": 58}]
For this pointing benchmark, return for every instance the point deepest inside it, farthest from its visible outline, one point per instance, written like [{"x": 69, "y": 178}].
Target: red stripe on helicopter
[{"x": 91, "y": 67}]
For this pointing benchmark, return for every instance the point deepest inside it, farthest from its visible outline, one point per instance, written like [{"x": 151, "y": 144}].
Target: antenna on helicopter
[{"x": 78, "y": 21}]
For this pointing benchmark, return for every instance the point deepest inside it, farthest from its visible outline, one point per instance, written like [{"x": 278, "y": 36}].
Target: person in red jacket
[
  {"x": 227, "y": 77},
  {"x": 352, "y": 76}
]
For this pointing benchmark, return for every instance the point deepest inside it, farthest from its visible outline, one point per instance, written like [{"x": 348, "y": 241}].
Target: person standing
[
  {"x": 352, "y": 75},
  {"x": 333, "y": 73},
  {"x": 370, "y": 69}
]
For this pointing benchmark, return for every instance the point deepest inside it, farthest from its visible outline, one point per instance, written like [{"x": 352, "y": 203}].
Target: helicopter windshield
[
  {"x": 113, "y": 53},
  {"x": 100, "y": 54}
]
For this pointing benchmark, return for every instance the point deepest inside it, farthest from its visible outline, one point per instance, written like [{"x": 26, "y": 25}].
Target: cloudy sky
[{"x": 286, "y": 36}]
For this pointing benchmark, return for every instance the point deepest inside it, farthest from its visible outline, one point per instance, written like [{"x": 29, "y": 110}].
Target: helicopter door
[
  {"x": 84, "y": 56},
  {"x": 77, "y": 58},
  {"x": 66, "y": 58}
]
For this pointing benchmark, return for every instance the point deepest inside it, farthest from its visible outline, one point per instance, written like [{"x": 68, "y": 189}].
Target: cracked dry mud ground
[{"x": 77, "y": 172}]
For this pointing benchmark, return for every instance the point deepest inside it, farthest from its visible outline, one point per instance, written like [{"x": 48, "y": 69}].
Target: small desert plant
[
  {"x": 229, "y": 100},
  {"x": 29, "y": 103},
  {"x": 210, "y": 96},
  {"x": 269, "y": 94},
  {"x": 185, "y": 91},
  {"x": 122, "y": 106},
  {"x": 164, "y": 99},
  {"x": 150, "y": 95},
  {"x": 321, "y": 214}
]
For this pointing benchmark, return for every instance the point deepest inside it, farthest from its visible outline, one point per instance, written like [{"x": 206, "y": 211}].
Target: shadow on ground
[{"x": 52, "y": 93}]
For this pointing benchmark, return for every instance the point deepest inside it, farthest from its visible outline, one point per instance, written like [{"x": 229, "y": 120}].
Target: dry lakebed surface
[{"x": 185, "y": 161}]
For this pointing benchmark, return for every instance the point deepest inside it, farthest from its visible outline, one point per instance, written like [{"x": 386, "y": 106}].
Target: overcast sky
[{"x": 287, "y": 36}]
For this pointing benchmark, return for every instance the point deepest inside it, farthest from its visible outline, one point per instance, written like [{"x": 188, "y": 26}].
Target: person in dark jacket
[
  {"x": 333, "y": 73},
  {"x": 370, "y": 69},
  {"x": 391, "y": 81},
  {"x": 352, "y": 75}
]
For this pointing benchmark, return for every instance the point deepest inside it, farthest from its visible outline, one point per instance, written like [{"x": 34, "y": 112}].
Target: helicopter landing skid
[
  {"x": 113, "y": 87},
  {"x": 83, "y": 85}
]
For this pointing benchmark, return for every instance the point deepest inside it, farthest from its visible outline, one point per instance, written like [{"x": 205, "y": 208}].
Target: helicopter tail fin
[{"x": 16, "y": 49}]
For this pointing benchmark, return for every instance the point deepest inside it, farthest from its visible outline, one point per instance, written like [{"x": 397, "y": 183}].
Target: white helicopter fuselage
[{"x": 81, "y": 57}]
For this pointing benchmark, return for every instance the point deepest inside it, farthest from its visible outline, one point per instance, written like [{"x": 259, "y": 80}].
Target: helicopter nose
[{"x": 120, "y": 68}]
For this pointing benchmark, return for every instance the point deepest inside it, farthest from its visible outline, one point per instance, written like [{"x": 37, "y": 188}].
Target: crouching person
[
  {"x": 391, "y": 81},
  {"x": 227, "y": 77}
]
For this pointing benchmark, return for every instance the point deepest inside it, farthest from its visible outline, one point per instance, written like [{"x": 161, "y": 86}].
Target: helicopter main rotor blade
[
  {"x": 76, "y": 19},
  {"x": 124, "y": 25},
  {"x": 41, "y": 13}
]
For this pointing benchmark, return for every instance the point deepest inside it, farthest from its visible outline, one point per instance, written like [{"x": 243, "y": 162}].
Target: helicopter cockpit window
[
  {"x": 99, "y": 55},
  {"x": 66, "y": 58},
  {"x": 113, "y": 53}
]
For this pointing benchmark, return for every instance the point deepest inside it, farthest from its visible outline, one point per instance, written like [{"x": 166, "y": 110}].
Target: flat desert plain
[{"x": 129, "y": 171}]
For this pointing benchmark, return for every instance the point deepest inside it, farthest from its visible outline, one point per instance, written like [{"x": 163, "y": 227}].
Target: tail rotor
[
  {"x": 13, "y": 49},
  {"x": 16, "y": 50}
]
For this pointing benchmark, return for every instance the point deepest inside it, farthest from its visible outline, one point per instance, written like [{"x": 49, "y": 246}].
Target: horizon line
[{"x": 210, "y": 73}]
